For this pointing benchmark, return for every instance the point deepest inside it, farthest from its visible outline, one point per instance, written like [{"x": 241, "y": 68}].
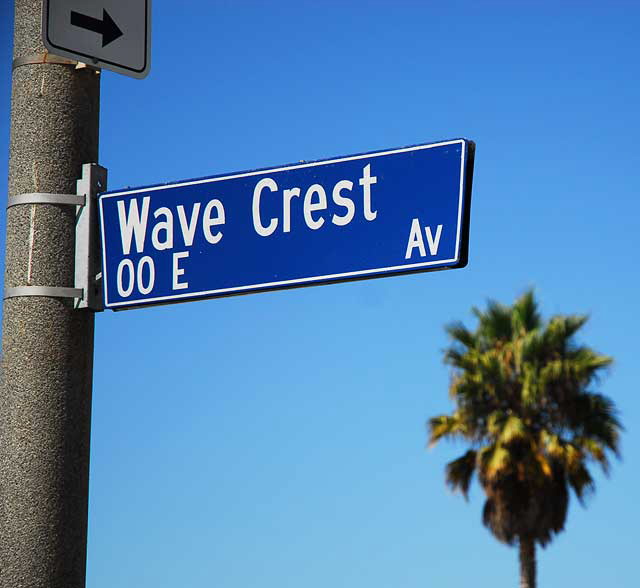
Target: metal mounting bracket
[
  {"x": 43, "y": 291},
  {"x": 46, "y": 57},
  {"x": 43, "y": 198},
  {"x": 88, "y": 256},
  {"x": 87, "y": 292}
]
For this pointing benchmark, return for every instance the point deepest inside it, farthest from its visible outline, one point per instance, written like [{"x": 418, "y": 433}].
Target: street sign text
[{"x": 375, "y": 214}]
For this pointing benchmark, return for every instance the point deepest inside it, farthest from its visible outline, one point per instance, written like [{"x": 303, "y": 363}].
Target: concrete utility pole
[{"x": 47, "y": 345}]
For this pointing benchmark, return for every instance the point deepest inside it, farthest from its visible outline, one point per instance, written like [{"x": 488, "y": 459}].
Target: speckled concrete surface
[{"x": 47, "y": 346}]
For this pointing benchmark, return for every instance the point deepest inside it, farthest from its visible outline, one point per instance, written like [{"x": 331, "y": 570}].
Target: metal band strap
[
  {"x": 44, "y": 198},
  {"x": 87, "y": 247},
  {"x": 48, "y": 291},
  {"x": 40, "y": 58}
]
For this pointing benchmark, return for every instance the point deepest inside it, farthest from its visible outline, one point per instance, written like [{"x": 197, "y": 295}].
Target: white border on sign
[{"x": 265, "y": 285}]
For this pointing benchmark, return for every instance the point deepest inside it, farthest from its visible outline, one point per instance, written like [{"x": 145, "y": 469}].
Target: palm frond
[
  {"x": 459, "y": 472},
  {"x": 463, "y": 360},
  {"x": 595, "y": 451},
  {"x": 494, "y": 324},
  {"x": 588, "y": 364},
  {"x": 446, "y": 426},
  {"x": 566, "y": 454},
  {"x": 514, "y": 429},
  {"x": 571, "y": 324},
  {"x": 494, "y": 462},
  {"x": 595, "y": 416},
  {"x": 460, "y": 334},
  {"x": 495, "y": 423},
  {"x": 531, "y": 388},
  {"x": 524, "y": 314},
  {"x": 581, "y": 482},
  {"x": 544, "y": 464}
]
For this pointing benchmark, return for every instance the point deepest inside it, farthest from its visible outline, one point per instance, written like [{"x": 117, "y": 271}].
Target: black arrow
[{"x": 105, "y": 27}]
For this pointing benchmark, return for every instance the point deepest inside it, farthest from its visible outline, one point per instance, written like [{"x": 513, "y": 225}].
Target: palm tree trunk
[{"x": 527, "y": 563}]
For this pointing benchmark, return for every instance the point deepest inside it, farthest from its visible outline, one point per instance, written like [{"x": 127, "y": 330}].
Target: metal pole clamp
[{"x": 87, "y": 290}]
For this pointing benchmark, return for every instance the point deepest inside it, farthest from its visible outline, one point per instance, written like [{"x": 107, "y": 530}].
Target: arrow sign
[
  {"x": 105, "y": 27},
  {"x": 85, "y": 30}
]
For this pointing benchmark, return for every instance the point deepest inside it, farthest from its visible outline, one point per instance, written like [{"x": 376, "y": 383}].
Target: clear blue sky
[{"x": 278, "y": 440}]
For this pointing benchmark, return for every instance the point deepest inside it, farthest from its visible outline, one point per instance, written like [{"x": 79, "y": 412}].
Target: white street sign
[{"x": 111, "y": 34}]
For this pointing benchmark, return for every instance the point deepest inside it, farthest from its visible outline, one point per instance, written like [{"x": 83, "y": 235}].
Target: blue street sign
[{"x": 361, "y": 216}]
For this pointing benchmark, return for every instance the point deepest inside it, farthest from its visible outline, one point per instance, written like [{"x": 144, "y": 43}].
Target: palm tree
[{"x": 524, "y": 403}]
